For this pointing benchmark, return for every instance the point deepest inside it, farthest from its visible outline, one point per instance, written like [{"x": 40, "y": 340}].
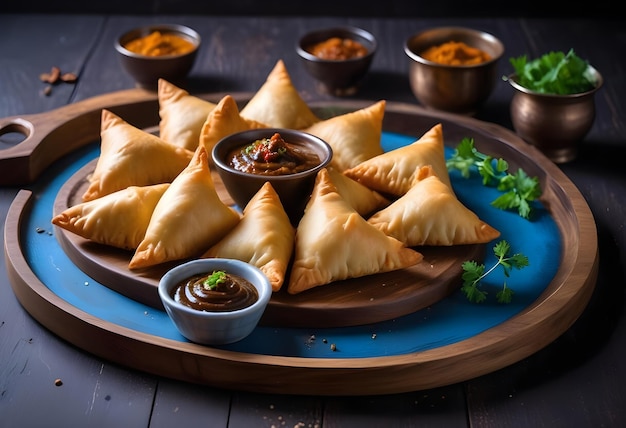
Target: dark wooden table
[{"x": 579, "y": 380}]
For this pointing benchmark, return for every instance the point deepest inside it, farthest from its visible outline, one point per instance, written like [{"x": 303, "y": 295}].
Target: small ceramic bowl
[
  {"x": 293, "y": 189},
  {"x": 214, "y": 328},
  {"x": 146, "y": 69},
  {"x": 453, "y": 88},
  {"x": 555, "y": 124},
  {"x": 337, "y": 77}
]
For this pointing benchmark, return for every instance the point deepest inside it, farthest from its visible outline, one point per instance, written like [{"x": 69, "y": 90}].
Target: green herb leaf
[
  {"x": 212, "y": 281},
  {"x": 474, "y": 273},
  {"x": 554, "y": 73},
  {"x": 519, "y": 189}
]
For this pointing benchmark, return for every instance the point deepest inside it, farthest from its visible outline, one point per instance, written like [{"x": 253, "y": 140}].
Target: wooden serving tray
[
  {"x": 266, "y": 367},
  {"x": 357, "y": 301}
]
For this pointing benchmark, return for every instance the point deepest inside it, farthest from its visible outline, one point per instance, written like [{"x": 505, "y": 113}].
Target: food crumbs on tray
[{"x": 58, "y": 382}]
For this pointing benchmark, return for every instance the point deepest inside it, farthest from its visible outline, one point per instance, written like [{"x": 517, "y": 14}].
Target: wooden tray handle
[{"x": 49, "y": 136}]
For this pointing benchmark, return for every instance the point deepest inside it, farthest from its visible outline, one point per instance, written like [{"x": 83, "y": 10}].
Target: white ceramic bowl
[{"x": 214, "y": 328}]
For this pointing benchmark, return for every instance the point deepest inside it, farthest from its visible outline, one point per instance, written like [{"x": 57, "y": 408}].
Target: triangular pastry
[
  {"x": 130, "y": 156},
  {"x": 333, "y": 242},
  {"x": 393, "y": 172},
  {"x": 364, "y": 200},
  {"x": 188, "y": 219},
  {"x": 430, "y": 214},
  {"x": 278, "y": 104},
  {"x": 264, "y": 237},
  {"x": 224, "y": 120},
  {"x": 119, "y": 219},
  {"x": 181, "y": 115},
  {"x": 354, "y": 137}
]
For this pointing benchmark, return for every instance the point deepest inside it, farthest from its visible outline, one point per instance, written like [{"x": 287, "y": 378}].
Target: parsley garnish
[
  {"x": 519, "y": 189},
  {"x": 212, "y": 281},
  {"x": 554, "y": 73},
  {"x": 473, "y": 273}
]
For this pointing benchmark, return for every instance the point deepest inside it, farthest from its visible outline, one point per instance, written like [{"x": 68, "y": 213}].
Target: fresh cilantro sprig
[
  {"x": 554, "y": 73},
  {"x": 213, "y": 280},
  {"x": 519, "y": 190},
  {"x": 474, "y": 273}
]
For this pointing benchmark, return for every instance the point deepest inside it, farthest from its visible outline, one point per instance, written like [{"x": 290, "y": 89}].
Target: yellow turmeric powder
[
  {"x": 160, "y": 44},
  {"x": 455, "y": 53}
]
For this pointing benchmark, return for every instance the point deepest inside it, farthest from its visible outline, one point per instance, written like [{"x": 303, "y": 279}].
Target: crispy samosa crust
[
  {"x": 354, "y": 137},
  {"x": 130, "y": 156},
  {"x": 119, "y": 219},
  {"x": 278, "y": 104},
  {"x": 181, "y": 115},
  {"x": 188, "y": 219},
  {"x": 264, "y": 237},
  {"x": 430, "y": 214},
  {"x": 333, "y": 242},
  {"x": 393, "y": 172}
]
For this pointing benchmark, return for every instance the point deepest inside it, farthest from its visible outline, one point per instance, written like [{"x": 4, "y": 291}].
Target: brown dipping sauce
[
  {"x": 160, "y": 44},
  {"x": 272, "y": 156},
  {"x": 233, "y": 293},
  {"x": 338, "y": 49}
]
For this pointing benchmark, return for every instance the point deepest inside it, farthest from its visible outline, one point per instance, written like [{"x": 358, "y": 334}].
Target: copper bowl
[
  {"x": 146, "y": 70},
  {"x": 555, "y": 124},
  {"x": 453, "y": 88}
]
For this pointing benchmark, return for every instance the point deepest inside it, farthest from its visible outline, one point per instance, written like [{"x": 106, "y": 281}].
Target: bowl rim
[
  {"x": 223, "y": 166},
  {"x": 340, "y": 29},
  {"x": 189, "y": 32},
  {"x": 202, "y": 265},
  {"x": 512, "y": 80},
  {"x": 490, "y": 38}
]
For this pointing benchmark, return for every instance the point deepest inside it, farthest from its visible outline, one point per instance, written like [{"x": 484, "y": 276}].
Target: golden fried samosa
[
  {"x": 188, "y": 219},
  {"x": 264, "y": 237},
  {"x": 130, "y": 156},
  {"x": 181, "y": 115},
  {"x": 364, "y": 200},
  {"x": 394, "y": 172},
  {"x": 333, "y": 242},
  {"x": 224, "y": 120},
  {"x": 119, "y": 219},
  {"x": 430, "y": 214},
  {"x": 278, "y": 104},
  {"x": 354, "y": 137}
]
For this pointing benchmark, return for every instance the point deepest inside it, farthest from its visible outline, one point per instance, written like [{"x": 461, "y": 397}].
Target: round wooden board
[
  {"x": 541, "y": 322},
  {"x": 364, "y": 300}
]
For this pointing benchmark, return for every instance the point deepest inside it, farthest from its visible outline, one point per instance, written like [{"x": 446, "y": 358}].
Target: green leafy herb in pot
[{"x": 554, "y": 73}]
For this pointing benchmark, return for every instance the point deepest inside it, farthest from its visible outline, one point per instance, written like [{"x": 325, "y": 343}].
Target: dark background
[{"x": 354, "y": 8}]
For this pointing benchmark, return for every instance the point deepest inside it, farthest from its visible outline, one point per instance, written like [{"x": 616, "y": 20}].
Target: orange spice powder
[
  {"x": 455, "y": 53},
  {"x": 160, "y": 44}
]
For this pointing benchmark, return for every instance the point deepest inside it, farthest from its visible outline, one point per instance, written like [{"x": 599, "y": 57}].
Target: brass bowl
[
  {"x": 555, "y": 124},
  {"x": 453, "y": 88}
]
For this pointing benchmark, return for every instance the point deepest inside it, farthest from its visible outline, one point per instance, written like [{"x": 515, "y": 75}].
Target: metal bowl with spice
[
  {"x": 157, "y": 51},
  {"x": 453, "y": 69},
  {"x": 338, "y": 57}
]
